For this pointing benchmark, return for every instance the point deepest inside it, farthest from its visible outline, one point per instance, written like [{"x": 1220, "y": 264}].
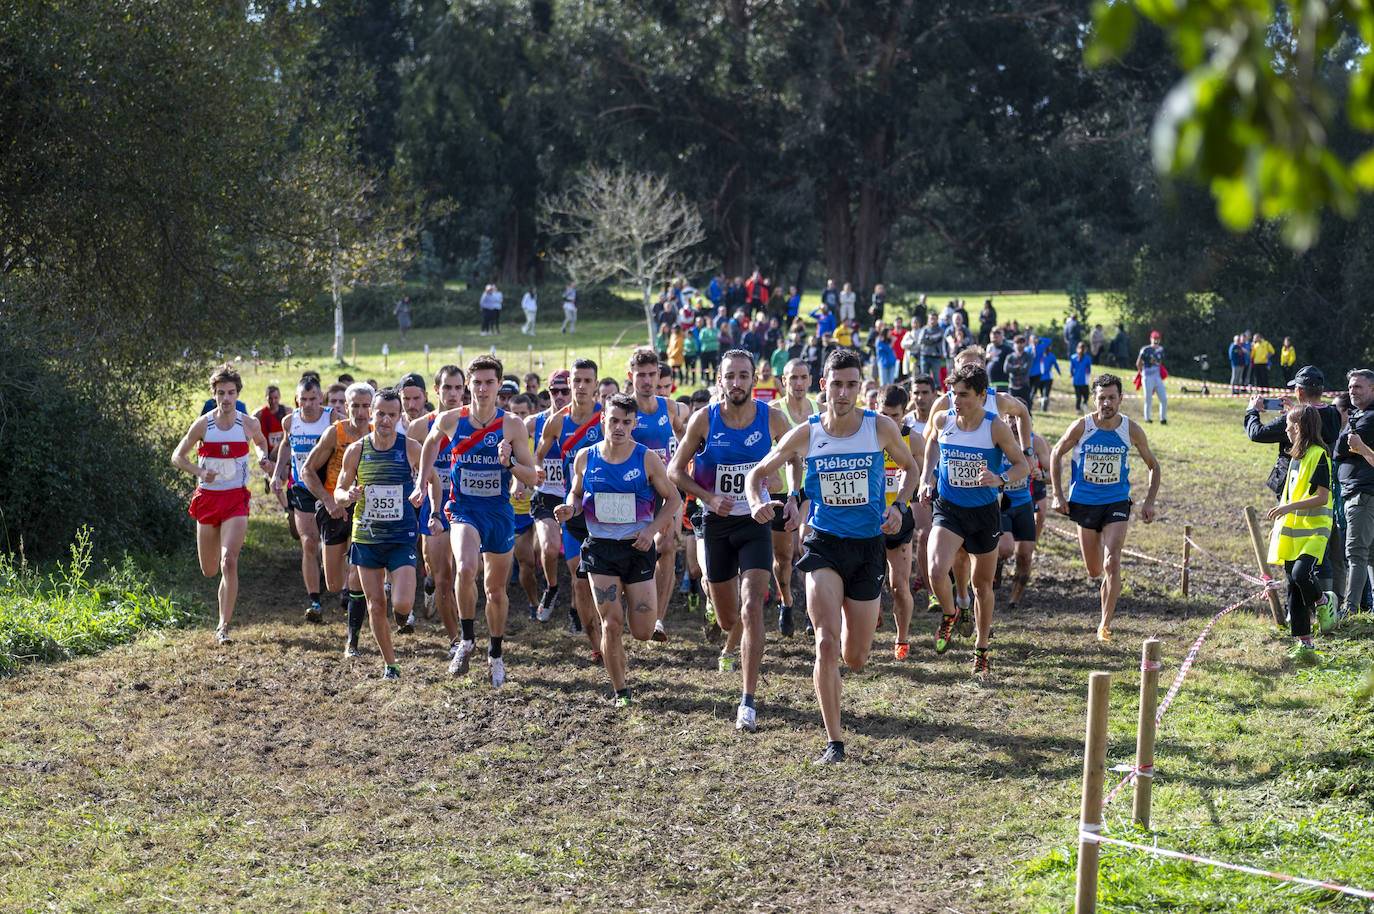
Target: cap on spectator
[
  {"x": 509, "y": 387},
  {"x": 1154, "y": 334},
  {"x": 560, "y": 379},
  {"x": 1309, "y": 377}
]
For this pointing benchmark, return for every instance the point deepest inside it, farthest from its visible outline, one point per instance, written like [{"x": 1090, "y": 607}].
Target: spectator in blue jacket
[
  {"x": 825, "y": 320},
  {"x": 1047, "y": 366},
  {"x": 1236, "y": 353},
  {"x": 1080, "y": 370}
]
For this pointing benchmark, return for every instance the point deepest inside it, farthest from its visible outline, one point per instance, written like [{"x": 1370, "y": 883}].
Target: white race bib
[
  {"x": 966, "y": 472},
  {"x": 481, "y": 483},
  {"x": 382, "y": 503},
  {"x": 225, "y": 468},
  {"x": 1102, "y": 468},
  {"x": 553, "y": 471},
  {"x": 844, "y": 488},
  {"x": 893, "y": 477},
  {"x": 615, "y": 507},
  {"x": 730, "y": 479}
]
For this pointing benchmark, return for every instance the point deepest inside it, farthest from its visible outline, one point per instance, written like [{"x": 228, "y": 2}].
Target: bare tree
[{"x": 623, "y": 226}]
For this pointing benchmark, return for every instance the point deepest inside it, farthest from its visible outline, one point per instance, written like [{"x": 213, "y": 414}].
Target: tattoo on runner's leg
[{"x": 604, "y": 595}]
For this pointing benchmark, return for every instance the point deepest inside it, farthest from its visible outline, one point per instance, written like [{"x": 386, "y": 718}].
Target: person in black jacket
[{"x": 1354, "y": 458}]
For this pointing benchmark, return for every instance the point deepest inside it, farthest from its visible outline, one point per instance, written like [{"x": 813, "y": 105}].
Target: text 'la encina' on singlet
[
  {"x": 384, "y": 514},
  {"x": 303, "y": 437},
  {"x": 845, "y": 481},
  {"x": 478, "y": 481},
  {"x": 225, "y": 451},
  {"x": 728, "y": 454},
  {"x": 1100, "y": 470},
  {"x": 617, "y": 499},
  {"x": 963, "y": 457}
]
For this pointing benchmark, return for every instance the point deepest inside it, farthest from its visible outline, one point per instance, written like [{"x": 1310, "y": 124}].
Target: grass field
[{"x": 171, "y": 774}]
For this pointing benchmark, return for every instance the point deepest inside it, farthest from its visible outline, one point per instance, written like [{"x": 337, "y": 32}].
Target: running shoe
[
  {"x": 746, "y": 719},
  {"x": 453, "y": 648},
  {"x": 966, "y": 622},
  {"x": 597, "y": 659},
  {"x": 393, "y": 671},
  {"x": 497, "y": 668},
  {"x": 406, "y": 626},
  {"x": 1011, "y": 607},
  {"x": 1303, "y": 655},
  {"x": 622, "y": 701},
  {"x": 786, "y": 627},
  {"x": 997, "y": 575},
  {"x": 430, "y": 606},
  {"x": 574, "y": 623},
  {"x": 980, "y": 663},
  {"x": 685, "y": 587},
  {"x": 546, "y": 601},
  {"x": 694, "y": 602},
  {"x": 222, "y": 635},
  {"x": 660, "y": 634},
  {"x": 809, "y": 627},
  {"x": 945, "y": 634},
  {"x": 314, "y": 613},
  {"x": 901, "y": 650},
  {"x": 534, "y": 612},
  {"x": 833, "y": 755},
  {"x": 934, "y": 605},
  {"x": 461, "y": 658},
  {"x": 1104, "y": 633},
  {"x": 710, "y": 613},
  {"x": 726, "y": 663},
  {"x": 1326, "y": 615},
  {"x": 350, "y": 650}
]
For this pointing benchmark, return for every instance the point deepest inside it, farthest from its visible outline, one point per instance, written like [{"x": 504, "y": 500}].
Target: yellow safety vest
[{"x": 1303, "y": 532}]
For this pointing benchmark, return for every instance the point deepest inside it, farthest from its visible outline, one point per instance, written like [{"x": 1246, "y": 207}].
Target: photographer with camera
[{"x": 1308, "y": 384}]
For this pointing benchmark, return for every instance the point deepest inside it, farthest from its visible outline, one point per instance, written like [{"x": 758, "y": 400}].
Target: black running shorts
[
  {"x": 1095, "y": 517},
  {"x": 298, "y": 498},
  {"x": 735, "y": 544},
  {"x": 1019, "y": 521},
  {"x": 334, "y": 531},
  {"x": 980, "y": 527},
  {"x": 860, "y": 563},
  {"x": 617, "y": 559},
  {"x": 904, "y": 535}
]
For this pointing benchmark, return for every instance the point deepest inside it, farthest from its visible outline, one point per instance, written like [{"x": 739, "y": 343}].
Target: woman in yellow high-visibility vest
[{"x": 1302, "y": 525}]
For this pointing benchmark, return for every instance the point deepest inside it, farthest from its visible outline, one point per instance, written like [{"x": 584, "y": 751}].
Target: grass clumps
[{"x": 70, "y": 612}]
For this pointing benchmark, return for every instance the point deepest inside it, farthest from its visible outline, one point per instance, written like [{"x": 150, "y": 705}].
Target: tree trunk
[
  {"x": 837, "y": 232},
  {"x": 510, "y": 251},
  {"x": 338, "y": 313},
  {"x": 649, "y": 309}
]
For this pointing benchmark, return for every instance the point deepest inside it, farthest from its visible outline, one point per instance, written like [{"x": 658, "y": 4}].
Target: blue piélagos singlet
[
  {"x": 655, "y": 430},
  {"x": 1101, "y": 473},
  {"x": 963, "y": 457},
  {"x": 617, "y": 499},
  {"x": 384, "y": 514},
  {"x": 728, "y": 454},
  {"x": 478, "y": 480},
  {"x": 302, "y": 438},
  {"x": 568, "y": 448},
  {"x": 845, "y": 480}
]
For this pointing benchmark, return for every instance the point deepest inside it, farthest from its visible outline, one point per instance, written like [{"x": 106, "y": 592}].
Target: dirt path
[{"x": 175, "y": 774}]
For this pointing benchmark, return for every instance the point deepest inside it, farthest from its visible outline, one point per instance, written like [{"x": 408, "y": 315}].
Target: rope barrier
[
  {"x": 1094, "y": 836},
  {"x": 1131, "y": 552},
  {"x": 1264, "y": 581}
]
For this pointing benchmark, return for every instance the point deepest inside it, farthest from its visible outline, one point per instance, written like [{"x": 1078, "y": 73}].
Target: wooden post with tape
[
  {"x": 1252, "y": 521},
  {"x": 1145, "y": 732},
  {"x": 1187, "y": 554},
  {"x": 1094, "y": 773}
]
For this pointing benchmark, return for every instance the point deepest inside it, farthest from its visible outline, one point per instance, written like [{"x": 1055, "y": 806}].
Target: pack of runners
[{"x": 443, "y": 494}]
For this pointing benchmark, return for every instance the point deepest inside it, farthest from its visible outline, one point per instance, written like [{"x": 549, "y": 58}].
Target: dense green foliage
[
  {"x": 71, "y": 611},
  {"x": 372, "y": 308}
]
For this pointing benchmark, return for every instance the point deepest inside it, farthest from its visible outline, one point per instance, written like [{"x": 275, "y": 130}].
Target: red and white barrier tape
[
  {"x": 1260, "y": 581},
  {"x": 1092, "y": 834},
  {"x": 1131, "y": 552},
  {"x": 1192, "y": 655}
]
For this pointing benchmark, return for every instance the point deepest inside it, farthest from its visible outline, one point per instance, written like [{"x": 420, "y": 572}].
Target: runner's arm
[
  {"x": 279, "y": 471},
  {"x": 1004, "y": 439},
  {"x": 521, "y": 462},
  {"x": 189, "y": 442},
  {"x": 796, "y": 467},
  {"x": 572, "y": 503},
  {"x": 792, "y": 446},
  {"x": 1011, "y": 406},
  {"x": 1142, "y": 446},
  {"x": 690, "y": 443},
  {"x": 445, "y": 424},
  {"x": 318, "y": 459},
  {"x": 1062, "y": 447}
]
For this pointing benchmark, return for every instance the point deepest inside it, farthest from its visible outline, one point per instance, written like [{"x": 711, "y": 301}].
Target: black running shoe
[
  {"x": 574, "y": 622},
  {"x": 393, "y": 671},
  {"x": 786, "y": 627},
  {"x": 834, "y": 754}
]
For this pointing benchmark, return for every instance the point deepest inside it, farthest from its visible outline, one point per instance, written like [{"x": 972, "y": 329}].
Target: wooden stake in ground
[
  {"x": 426, "y": 359},
  {"x": 1252, "y": 521},
  {"x": 1094, "y": 772},
  {"x": 354, "y": 359},
  {"x": 1187, "y": 553},
  {"x": 1145, "y": 732}
]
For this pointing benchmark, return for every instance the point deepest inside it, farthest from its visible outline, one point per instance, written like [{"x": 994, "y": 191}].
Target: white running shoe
[
  {"x": 498, "y": 671},
  {"x": 746, "y": 719},
  {"x": 461, "y": 658}
]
